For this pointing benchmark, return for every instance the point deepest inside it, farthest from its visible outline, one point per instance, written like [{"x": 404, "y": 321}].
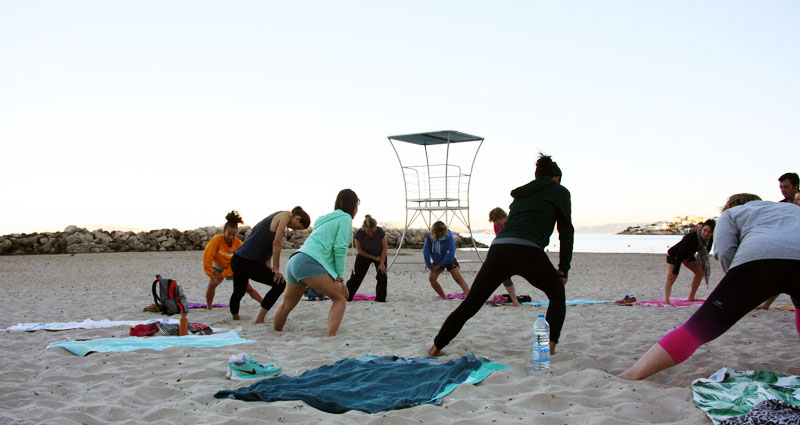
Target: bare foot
[
  {"x": 435, "y": 352},
  {"x": 552, "y": 347},
  {"x": 236, "y": 317},
  {"x": 256, "y": 322},
  {"x": 762, "y": 307},
  {"x": 691, "y": 299},
  {"x": 516, "y": 304},
  {"x": 209, "y": 307}
]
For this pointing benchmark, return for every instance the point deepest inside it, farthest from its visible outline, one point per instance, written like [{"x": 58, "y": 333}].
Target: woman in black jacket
[{"x": 683, "y": 252}]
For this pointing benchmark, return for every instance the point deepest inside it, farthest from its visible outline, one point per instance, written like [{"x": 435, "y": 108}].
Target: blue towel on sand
[
  {"x": 82, "y": 348},
  {"x": 370, "y": 384},
  {"x": 545, "y": 303}
]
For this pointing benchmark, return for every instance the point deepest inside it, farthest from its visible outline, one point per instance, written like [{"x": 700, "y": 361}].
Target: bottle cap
[{"x": 541, "y": 315}]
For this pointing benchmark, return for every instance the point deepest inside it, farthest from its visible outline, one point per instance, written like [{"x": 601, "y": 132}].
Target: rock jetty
[{"x": 75, "y": 240}]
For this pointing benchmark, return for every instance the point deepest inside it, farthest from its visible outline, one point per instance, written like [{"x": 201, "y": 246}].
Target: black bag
[{"x": 168, "y": 296}]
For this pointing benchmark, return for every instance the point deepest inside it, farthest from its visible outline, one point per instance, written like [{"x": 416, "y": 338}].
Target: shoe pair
[
  {"x": 628, "y": 300},
  {"x": 244, "y": 366}
]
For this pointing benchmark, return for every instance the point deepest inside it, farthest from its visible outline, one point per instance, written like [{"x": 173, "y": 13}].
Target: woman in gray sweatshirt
[{"x": 757, "y": 247}]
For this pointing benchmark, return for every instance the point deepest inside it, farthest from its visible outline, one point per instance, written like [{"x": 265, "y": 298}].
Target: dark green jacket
[{"x": 536, "y": 209}]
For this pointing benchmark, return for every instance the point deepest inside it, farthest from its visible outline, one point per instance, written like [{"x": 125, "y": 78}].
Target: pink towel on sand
[
  {"x": 360, "y": 297},
  {"x": 453, "y": 296},
  {"x": 677, "y": 302}
]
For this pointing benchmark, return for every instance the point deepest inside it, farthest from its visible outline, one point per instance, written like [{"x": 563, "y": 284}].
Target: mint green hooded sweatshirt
[{"x": 329, "y": 241}]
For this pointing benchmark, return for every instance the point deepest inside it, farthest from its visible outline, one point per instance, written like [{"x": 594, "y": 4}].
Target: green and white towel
[{"x": 729, "y": 393}]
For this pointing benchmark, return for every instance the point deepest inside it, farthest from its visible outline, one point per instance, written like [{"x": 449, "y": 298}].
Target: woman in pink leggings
[{"x": 758, "y": 250}]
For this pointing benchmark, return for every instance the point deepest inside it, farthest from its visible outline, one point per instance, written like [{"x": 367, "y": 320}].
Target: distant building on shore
[{"x": 679, "y": 226}]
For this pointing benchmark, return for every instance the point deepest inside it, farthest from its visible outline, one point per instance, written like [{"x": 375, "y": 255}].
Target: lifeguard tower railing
[{"x": 436, "y": 189}]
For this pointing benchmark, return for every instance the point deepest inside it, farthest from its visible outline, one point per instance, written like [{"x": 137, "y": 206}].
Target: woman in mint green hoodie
[{"x": 319, "y": 263}]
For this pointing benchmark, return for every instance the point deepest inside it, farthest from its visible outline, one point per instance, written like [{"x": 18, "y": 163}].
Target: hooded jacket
[
  {"x": 537, "y": 207},
  {"x": 329, "y": 241},
  {"x": 440, "y": 251}
]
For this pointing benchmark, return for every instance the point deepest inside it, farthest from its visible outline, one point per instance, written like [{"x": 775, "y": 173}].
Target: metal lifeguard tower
[{"x": 437, "y": 188}]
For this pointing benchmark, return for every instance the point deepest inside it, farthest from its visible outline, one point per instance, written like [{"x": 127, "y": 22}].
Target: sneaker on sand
[
  {"x": 244, "y": 366},
  {"x": 628, "y": 300}
]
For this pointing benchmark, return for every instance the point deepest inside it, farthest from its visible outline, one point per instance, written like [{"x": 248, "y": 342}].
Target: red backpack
[{"x": 168, "y": 296}]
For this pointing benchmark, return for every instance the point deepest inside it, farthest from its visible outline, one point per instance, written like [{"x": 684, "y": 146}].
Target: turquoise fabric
[
  {"x": 728, "y": 393},
  {"x": 474, "y": 377},
  {"x": 370, "y": 384},
  {"x": 158, "y": 343},
  {"x": 329, "y": 241}
]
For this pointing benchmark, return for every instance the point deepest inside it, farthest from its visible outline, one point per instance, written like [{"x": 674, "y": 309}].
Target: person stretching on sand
[
  {"x": 439, "y": 252},
  {"x": 683, "y": 253},
  {"x": 320, "y": 262},
  {"x": 498, "y": 218},
  {"x": 758, "y": 250},
  {"x": 371, "y": 247},
  {"x": 518, "y": 249},
  {"x": 251, "y": 260},
  {"x": 217, "y": 258}
]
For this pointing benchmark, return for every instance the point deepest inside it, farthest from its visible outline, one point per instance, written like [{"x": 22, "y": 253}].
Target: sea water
[{"x": 606, "y": 243}]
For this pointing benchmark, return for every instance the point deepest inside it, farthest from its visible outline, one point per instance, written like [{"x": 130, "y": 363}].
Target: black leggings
[
  {"x": 742, "y": 289},
  {"x": 502, "y": 262},
  {"x": 360, "y": 269},
  {"x": 243, "y": 271}
]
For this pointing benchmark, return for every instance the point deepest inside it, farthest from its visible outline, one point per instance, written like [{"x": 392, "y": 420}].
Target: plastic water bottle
[{"x": 541, "y": 344}]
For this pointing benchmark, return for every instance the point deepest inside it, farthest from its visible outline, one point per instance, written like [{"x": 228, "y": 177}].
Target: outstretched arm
[
  {"x": 277, "y": 245},
  {"x": 208, "y": 256}
]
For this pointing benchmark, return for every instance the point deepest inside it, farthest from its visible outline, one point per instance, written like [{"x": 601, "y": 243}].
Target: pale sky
[{"x": 162, "y": 114}]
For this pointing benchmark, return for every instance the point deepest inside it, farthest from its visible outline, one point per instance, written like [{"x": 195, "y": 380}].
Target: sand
[{"x": 40, "y": 385}]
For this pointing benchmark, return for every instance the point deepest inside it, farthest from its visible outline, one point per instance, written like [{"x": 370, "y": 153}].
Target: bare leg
[
  {"x": 512, "y": 292},
  {"x": 337, "y": 292},
  {"x": 698, "y": 277},
  {"x": 253, "y": 293},
  {"x": 211, "y": 290},
  {"x": 435, "y": 284},
  {"x": 456, "y": 273},
  {"x": 655, "y": 360},
  {"x": 291, "y": 296},
  {"x": 767, "y": 303},
  {"x": 325, "y": 285},
  {"x": 262, "y": 314},
  {"x": 668, "y": 285}
]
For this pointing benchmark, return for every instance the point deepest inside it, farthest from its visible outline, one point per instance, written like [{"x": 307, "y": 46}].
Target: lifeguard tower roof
[{"x": 437, "y": 137}]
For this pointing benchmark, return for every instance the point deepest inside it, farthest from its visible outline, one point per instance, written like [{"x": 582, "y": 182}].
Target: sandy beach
[{"x": 41, "y": 385}]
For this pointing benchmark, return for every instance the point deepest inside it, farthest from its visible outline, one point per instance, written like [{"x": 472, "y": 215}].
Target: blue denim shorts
[{"x": 302, "y": 266}]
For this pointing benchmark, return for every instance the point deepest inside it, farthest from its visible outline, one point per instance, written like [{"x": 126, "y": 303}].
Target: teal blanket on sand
[
  {"x": 82, "y": 348},
  {"x": 370, "y": 384}
]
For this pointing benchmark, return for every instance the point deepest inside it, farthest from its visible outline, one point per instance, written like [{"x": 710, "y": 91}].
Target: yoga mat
[
  {"x": 370, "y": 384},
  {"x": 545, "y": 303},
  {"x": 362, "y": 297},
  {"x": 728, "y": 393},
  {"x": 676, "y": 302},
  {"x": 158, "y": 343}
]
